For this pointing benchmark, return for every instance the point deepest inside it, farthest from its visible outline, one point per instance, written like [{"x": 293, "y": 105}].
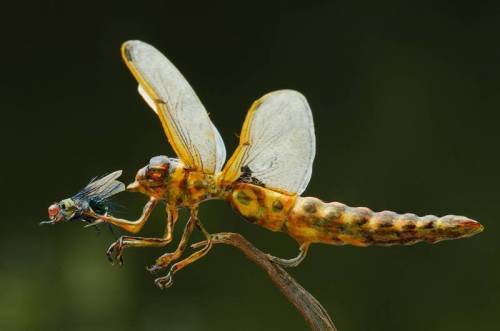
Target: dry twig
[{"x": 310, "y": 308}]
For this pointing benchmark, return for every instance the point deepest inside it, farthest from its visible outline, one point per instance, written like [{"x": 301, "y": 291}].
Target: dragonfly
[
  {"x": 91, "y": 200},
  {"x": 262, "y": 181}
]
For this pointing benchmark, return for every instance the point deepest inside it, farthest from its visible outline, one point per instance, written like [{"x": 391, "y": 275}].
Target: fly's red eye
[{"x": 53, "y": 210}]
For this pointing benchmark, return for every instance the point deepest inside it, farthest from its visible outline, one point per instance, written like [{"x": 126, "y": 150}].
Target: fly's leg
[
  {"x": 130, "y": 226},
  {"x": 115, "y": 251},
  {"x": 167, "y": 281},
  {"x": 293, "y": 262}
]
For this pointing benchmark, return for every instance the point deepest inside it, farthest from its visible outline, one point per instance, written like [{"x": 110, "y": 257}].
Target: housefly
[{"x": 92, "y": 200}]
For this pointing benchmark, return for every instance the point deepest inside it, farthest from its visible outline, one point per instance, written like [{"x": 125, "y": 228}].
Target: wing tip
[
  {"x": 126, "y": 48},
  {"x": 292, "y": 92},
  {"x": 117, "y": 173},
  {"x": 284, "y": 93}
]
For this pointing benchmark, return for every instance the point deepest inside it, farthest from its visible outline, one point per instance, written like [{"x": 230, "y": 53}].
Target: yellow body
[
  {"x": 189, "y": 188},
  {"x": 267, "y": 208},
  {"x": 182, "y": 188},
  {"x": 310, "y": 220}
]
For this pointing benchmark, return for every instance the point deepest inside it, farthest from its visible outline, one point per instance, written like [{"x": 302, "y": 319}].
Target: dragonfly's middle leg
[
  {"x": 167, "y": 280},
  {"x": 115, "y": 251},
  {"x": 164, "y": 260}
]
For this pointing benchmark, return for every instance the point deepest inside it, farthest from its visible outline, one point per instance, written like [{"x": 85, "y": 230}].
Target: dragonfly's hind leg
[
  {"x": 115, "y": 251},
  {"x": 293, "y": 262}
]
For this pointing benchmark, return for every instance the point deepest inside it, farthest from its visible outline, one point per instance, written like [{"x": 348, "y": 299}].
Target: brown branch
[{"x": 310, "y": 308}]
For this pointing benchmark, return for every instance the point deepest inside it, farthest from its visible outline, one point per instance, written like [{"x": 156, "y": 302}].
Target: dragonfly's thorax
[{"x": 169, "y": 180}]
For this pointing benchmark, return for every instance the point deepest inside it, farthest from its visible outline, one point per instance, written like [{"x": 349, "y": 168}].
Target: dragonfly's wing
[
  {"x": 103, "y": 188},
  {"x": 189, "y": 130},
  {"x": 277, "y": 144}
]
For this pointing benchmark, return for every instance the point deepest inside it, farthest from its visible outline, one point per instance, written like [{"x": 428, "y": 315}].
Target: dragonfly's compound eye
[
  {"x": 157, "y": 168},
  {"x": 159, "y": 162},
  {"x": 53, "y": 210},
  {"x": 155, "y": 174}
]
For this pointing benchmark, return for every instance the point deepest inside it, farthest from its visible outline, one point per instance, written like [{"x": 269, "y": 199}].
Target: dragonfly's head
[
  {"x": 61, "y": 211},
  {"x": 153, "y": 178}
]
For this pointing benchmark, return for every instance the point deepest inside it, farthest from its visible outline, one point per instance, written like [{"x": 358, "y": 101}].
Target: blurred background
[{"x": 405, "y": 101}]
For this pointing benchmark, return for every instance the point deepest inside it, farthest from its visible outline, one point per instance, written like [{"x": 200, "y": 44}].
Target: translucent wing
[
  {"x": 103, "y": 187},
  {"x": 189, "y": 130},
  {"x": 277, "y": 144}
]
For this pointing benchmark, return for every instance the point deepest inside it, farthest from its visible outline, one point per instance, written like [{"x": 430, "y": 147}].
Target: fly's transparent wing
[
  {"x": 189, "y": 130},
  {"x": 111, "y": 189},
  {"x": 277, "y": 144},
  {"x": 103, "y": 188}
]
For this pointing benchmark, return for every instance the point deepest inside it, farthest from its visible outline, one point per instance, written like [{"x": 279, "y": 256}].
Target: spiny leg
[
  {"x": 130, "y": 226},
  {"x": 293, "y": 262},
  {"x": 167, "y": 281},
  {"x": 164, "y": 260},
  {"x": 115, "y": 251}
]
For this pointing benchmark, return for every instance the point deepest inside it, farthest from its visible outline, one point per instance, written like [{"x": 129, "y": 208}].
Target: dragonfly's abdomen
[
  {"x": 312, "y": 220},
  {"x": 261, "y": 206}
]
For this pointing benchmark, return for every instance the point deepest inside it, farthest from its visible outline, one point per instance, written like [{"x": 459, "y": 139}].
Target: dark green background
[{"x": 405, "y": 96}]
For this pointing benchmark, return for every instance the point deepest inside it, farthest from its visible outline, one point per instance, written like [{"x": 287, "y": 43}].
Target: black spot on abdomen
[
  {"x": 310, "y": 207},
  {"x": 277, "y": 206}
]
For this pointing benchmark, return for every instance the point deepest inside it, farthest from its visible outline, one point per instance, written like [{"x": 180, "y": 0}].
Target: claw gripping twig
[{"x": 310, "y": 308}]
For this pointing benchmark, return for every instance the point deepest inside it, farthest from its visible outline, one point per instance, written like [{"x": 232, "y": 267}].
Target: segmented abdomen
[{"x": 312, "y": 220}]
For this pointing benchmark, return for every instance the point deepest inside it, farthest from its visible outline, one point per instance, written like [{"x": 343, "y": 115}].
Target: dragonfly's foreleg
[
  {"x": 293, "y": 262},
  {"x": 115, "y": 251},
  {"x": 167, "y": 281},
  {"x": 130, "y": 226}
]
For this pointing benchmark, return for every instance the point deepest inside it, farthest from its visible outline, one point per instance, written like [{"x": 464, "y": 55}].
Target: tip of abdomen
[
  {"x": 451, "y": 227},
  {"x": 470, "y": 227}
]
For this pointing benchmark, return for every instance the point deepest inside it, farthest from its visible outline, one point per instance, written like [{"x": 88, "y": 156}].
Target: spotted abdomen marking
[
  {"x": 261, "y": 206},
  {"x": 312, "y": 220}
]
